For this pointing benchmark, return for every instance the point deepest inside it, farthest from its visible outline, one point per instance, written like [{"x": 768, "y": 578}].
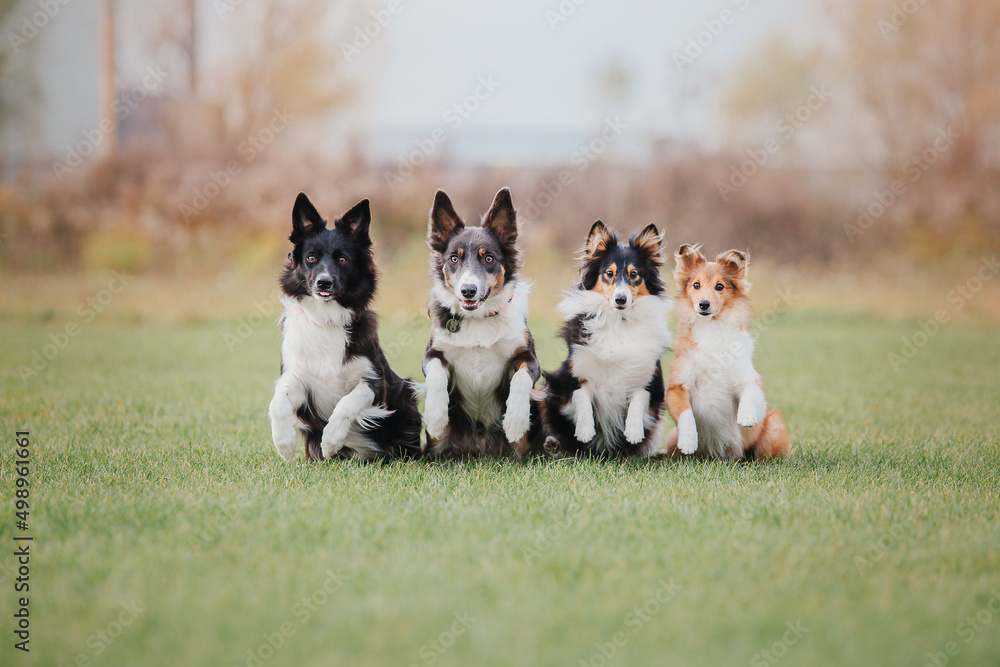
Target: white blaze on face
[
  {"x": 469, "y": 278},
  {"x": 622, "y": 296}
]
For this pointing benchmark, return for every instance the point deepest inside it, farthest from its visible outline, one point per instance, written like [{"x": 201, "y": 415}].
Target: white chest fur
[
  {"x": 314, "y": 340},
  {"x": 715, "y": 372},
  {"x": 622, "y": 350},
  {"x": 479, "y": 351},
  {"x": 722, "y": 356}
]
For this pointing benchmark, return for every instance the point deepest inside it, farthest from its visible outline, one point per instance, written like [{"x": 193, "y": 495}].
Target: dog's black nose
[
  {"x": 704, "y": 304},
  {"x": 469, "y": 292},
  {"x": 324, "y": 284},
  {"x": 620, "y": 299}
]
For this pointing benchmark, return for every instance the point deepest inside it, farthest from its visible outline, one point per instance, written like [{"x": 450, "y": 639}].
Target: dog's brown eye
[
  {"x": 342, "y": 260},
  {"x": 719, "y": 287},
  {"x": 609, "y": 273},
  {"x": 311, "y": 258},
  {"x": 634, "y": 275},
  {"x": 488, "y": 259},
  {"x": 696, "y": 286},
  {"x": 454, "y": 259}
]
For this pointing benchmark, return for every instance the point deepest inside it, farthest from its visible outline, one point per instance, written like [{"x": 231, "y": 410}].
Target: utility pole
[
  {"x": 192, "y": 47},
  {"x": 109, "y": 90}
]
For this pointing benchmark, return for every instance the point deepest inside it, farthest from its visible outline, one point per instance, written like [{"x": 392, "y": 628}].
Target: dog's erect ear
[
  {"x": 356, "y": 222},
  {"x": 688, "y": 257},
  {"x": 443, "y": 222},
  {"x": 599, "y": 239},
  {"x": 305, "y": 219},
  {"x": 501, "y": 219},
  {"x": 649, "y": 241},
  {"x": 735, "y": 262}
]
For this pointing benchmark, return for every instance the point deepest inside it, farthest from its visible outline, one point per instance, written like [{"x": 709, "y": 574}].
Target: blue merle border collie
[
  {"x": 336, "y": 386},
  {"x": 480, "y": 360},
  {"x": 607, "y": 397}
]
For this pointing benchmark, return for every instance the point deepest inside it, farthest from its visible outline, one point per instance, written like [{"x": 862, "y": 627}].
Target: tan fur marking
[
  {"x": 498, "y": 281},
  {"x": 606, "y": 286},
  {"x": 598, "y": 241}
]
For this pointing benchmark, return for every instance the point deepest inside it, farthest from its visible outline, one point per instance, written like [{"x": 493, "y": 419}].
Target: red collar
[{"x": 494, "y": 313}]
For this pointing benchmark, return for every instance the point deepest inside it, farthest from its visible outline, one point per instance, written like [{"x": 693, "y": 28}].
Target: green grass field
[{"x": 168, "y": 531}]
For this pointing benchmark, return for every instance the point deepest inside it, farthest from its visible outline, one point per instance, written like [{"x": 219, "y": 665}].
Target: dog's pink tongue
[{"x": 470, "y": 305}]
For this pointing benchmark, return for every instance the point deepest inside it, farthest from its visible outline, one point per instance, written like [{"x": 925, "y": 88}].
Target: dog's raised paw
[
  {"x": 752, "y": 407},
  {"x": 284, "y": 442},
  {"x": 634, "y": 431},
  {"x": 282, "y": 427},
  {"x": 687, "y": 433},
  {"x": 748, "y": 413},
  {"x": 517, "y": 418},
  {"x": 516, "y": 422},
  {"x": 435, "y": 419},
  {"x": 746, "y": 416},
  {"x": 585, "y": 430},
  {"x": 334, "y": 434}
]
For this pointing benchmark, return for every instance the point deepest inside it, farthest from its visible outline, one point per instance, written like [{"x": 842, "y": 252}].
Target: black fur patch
[{"x": 645, "y": 262}]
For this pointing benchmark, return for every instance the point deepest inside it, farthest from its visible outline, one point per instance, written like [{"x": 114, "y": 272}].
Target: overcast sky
[{"x": 542, "y": 65}]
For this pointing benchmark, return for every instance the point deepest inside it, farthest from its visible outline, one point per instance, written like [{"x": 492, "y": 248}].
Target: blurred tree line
[{"x": 825, "y": 146}]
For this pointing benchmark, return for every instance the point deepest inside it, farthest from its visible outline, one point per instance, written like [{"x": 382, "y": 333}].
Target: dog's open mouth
[{"x": 471, "y": 305}]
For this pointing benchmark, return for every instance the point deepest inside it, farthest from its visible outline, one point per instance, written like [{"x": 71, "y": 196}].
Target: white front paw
[
  {"x": 516, "y": 422},
  {"x": 687, "y": 433},
  {"x": 518, "y": 416},
  {"x": 585, "y": 430},
  {"x": 436, "y": 416},
  {"x": 283, "y": 435},
  {"x": 634, "y": 432},
  {"x": 746, "y": 415},
  {"x": 334, "y": 434},
  {"x": 283, "y": 429},
  {"x": 752, "y": 407}
]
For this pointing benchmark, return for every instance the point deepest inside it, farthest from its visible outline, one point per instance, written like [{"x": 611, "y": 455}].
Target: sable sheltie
[
  {"x": 607, "y": 397},
  {"x": 480, "y": 361},
  {"x": 336, "y": 385},
  {"x": 714, "y": 393}
]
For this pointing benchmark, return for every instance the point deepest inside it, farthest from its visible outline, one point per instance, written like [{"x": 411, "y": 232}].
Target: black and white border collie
[
  {"x": 480, "y": 361},
  {"x": 336, "y": 385},
  {"x": 607, "y": 398}
]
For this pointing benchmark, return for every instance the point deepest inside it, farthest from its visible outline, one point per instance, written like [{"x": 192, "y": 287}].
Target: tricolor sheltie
[
  {"x": 607, "y": 397},
  {"x": 480, "y": 361},
  {"x": 336, "y": 385},
  {"x": 714, "y": 393}
]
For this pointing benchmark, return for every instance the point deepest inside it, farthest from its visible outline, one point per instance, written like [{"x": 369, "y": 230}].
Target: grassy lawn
[{"x": 168, "y": 531}]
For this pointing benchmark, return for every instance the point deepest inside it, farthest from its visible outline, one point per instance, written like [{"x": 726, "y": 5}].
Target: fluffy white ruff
[
  {"x": 616, "y": 364},
  {"x": 722, "y": 384},
  {"x": 314, "y": 338},
  {"x": 478, "y": 354}
]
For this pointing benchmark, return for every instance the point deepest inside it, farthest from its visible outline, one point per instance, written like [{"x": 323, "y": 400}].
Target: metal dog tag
[{"x": 453, "y": 325}]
